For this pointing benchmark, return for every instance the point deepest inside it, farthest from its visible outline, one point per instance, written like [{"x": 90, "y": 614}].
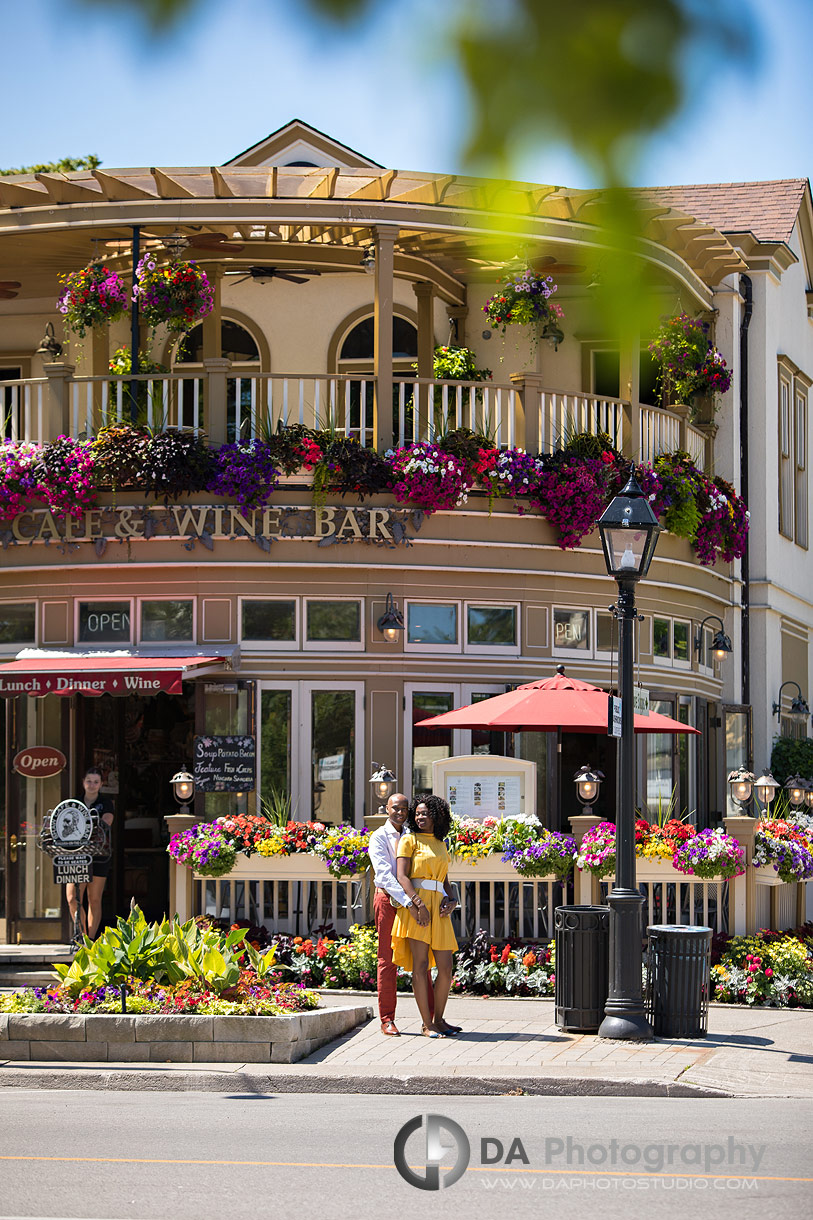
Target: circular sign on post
[
  {"x": 71, "y": 826},
  {"x": 39, "y": 762}
]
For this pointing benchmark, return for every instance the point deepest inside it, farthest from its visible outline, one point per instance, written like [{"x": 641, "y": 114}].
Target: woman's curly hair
[{"x": 438, "y": 808}]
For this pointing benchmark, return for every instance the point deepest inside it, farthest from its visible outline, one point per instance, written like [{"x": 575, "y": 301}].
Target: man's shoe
[{"x": 388, "y": 1027}]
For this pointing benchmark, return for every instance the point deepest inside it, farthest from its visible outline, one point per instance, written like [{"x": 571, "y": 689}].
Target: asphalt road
[{"x": 179, "y": 1156}]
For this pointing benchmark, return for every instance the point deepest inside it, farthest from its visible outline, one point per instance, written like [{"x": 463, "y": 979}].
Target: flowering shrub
[
  {"x": 508, "y": 968},
  {"x": 689, "y": 363},
  {"x": 178, "y": 295},
  {"x": 60, "y": 475},
  {"x": 773, "y": 968},
  {"x": 522, "y": 300},
  {"x": 723, "y": 525},
  {"x": 555, "y": 853},
  {"x": 457, "y": 364},
  {"x": 343, "y": 850},
  {"x": 706, "y": 511},
  {"x": 245, "y": 831},
  {"x": 711, "y": 854},
  {"x": 331, "y": 961},
  {"x": 301, "y": 836},
  {"x": 427, "y": 476},
  {"x": 572, "y": 493},
  {"x": 469, "y": 840},
  {"x": 597, "y": 850},
  {"x": 784, "y": 848},
  {"x": 348, "y": 467},
  {"x": 249, "y": 998},
  {"x": 91, "y": 297},
  {"x": 245, "y": 471},
  {"x": 508, "y": 472},
  {"x": 203, "y": 848}
]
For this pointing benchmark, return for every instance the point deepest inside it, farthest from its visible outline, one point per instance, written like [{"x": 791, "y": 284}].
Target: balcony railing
[{"x": 516, "y": 414}]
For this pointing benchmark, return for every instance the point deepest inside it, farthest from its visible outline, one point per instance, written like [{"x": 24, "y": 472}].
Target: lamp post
[
  {"x": 629, "y": 532},
  {"x": 765, "y": 789},
  {"x": 797, "y": 789},
  {"x": 741, "y": 784}
]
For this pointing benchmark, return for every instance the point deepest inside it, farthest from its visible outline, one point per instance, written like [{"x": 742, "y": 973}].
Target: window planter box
[{"x": 767, "y": 875}]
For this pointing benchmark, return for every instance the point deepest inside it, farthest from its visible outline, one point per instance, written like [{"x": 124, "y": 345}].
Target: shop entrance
[{"x": 138, "y": 743}]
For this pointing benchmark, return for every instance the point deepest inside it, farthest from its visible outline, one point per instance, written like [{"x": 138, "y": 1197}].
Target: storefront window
[
  {"x": 39, "y": 722},
  {"x": 485, "y": 741},
  {"x": 680, "y": 641},
  {"x": 275, "y": 741},
  {"x": 17, "y": 623},
  {"x": 229, "y": 712},
  {"x": 606, "y": 636},
  {"x": 167, "y": 620},
  {"x": 429, "y": 623},
  {"x": 660, "y": 778},
  {"x": 334, "y": 621},
  {"x": 269, "y": 620},
  {"x": 333, "y": 734},
  {"x": 495, "y": 625},
  {"x": 428, "y": 745},
  {"x": 737, "y": 750},
  {"x": 571, "y": 629},
  {"x": 104, "y": 623}
]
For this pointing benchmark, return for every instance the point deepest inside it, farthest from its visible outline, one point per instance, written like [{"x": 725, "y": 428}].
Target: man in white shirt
[{"x": 383, "y": 851}]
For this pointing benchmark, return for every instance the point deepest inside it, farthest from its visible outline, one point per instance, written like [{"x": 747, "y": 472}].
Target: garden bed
[{"x": 108, "y": 1038}]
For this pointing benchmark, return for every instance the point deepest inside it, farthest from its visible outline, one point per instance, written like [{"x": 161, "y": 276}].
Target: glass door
[{"x": 423, "y": 746}]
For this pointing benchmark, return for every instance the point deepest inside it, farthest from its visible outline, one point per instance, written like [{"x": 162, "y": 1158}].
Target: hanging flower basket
[
  {"x": 91, "y": 297},
  {"x": 523, "y": 299},
  {"x": 177, "y": 296},
  {"x": 692, "y": 370}
]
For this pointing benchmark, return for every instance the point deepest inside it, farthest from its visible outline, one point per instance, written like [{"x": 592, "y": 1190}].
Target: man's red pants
[{"x": 387, "y": 970}]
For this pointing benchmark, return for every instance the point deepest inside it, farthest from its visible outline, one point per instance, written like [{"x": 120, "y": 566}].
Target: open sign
[{"x": 39, "y": 762}]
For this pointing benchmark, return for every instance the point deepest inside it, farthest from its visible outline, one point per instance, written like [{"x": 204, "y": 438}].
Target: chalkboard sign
[{"x": 225, "y": 764}]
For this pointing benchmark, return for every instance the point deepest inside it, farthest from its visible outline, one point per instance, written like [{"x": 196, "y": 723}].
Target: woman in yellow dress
[{"x": 419, "y": 943}]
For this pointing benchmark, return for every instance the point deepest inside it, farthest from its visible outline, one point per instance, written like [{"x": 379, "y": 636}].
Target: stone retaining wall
[{"x": 87, "y": 1038}]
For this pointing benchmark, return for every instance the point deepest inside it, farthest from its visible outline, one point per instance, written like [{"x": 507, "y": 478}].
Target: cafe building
[{"x": 317, "y": 631}]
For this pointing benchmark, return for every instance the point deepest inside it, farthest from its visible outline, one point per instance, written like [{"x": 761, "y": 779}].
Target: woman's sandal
[
  {"x": 430, "y": 1033},
  {"x": 449, "y": 1031}
]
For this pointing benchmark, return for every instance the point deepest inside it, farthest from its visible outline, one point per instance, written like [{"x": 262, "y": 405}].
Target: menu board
[
  {"x": 485, "y": 796},
  {"x": 225, "y": 764}
]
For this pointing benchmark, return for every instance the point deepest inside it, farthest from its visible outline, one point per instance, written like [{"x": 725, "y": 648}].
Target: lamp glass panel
[
  {"x": 587, "y": 790},
  {"x": 624, "y": 550}
]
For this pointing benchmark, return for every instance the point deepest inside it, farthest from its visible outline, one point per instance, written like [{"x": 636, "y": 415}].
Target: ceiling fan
[
  {"x": 270, "y": 273},
  {"x": 177, "y": 242},
  {"x": 550, "y": 263},
  {"x": 8, "y": 289}
]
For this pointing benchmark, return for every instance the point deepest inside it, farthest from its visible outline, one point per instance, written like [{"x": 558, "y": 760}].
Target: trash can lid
[{"x": 680, "y": 929}]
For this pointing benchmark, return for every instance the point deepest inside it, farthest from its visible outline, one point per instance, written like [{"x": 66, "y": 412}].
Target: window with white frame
[
  {"x": 167, "y": 620},
  {"x": 329, "y": 622},
  {"x": 18, "y": 623},
  {"x": 104, "y": 622},
  {"x": 606, "y": 632},
  {"x": 491, "y": 626},
  {"x": 271, "y": 622},
  {"x": 571, "y": 630},
  {"x": 433, "y": 626},
  {"x": 794, "y": 388},
  {"x": 672, "y": 641}
]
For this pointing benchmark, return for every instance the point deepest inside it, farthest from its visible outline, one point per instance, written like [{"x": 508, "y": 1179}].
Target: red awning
[{"x": 103, "y": 675}]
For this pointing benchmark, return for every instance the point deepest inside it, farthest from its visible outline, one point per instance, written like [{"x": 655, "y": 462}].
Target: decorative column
[
  {"x": 385, "y": 238},
  {"x": 529, "y": 427},
  {"x": 742, "y": 891},
  {"x": 426, "y": 350},
  {"x": 215, "y": 400},
  {"x": 181, "y": 879},
  {"x": 586, "y": 887},
  {"x": 57, "y": 407}
]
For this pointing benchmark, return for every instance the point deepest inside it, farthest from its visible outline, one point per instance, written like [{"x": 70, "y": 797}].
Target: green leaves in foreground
[{"x": 166, "y": 952}]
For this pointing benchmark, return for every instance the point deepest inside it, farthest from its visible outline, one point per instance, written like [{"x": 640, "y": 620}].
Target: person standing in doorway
[
  {"x": 102, "y": 805},
  {"x": 389, "y": 896}
]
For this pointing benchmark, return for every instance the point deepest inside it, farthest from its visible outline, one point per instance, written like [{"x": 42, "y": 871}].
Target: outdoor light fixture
[
  {"x": 720, "y": 644},
  {"x": 183, "y": 786},
  {"x": 368, "y": 261},
  {"x": 629, "y": 532},
  {"x": 809, "y": 794},
  {"x": 391, "y": 621},
  {"x": 798, "y": 705},
  {"x": 49, "y": 345},
  {"x": 765, "y": 788},
  {"x": 797, "y": 789},
  {"x": 175, "y": 243},
  {"x": 587, "y": 785},
  {"x": 383, "y": 781},
  {"x": 741, "y": 783},
  {"x": 553, "y": 332}
]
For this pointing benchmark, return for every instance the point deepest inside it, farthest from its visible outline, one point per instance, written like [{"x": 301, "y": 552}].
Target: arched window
[
  {"x": 359, "y": 344},
  {"x": 236, "y": 344}
]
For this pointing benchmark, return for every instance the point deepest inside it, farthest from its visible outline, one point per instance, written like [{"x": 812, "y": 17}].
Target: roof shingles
[{"x": 766, "y": 209}]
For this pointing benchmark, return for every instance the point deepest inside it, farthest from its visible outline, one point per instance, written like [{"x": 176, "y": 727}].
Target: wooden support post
[{"x": 385, "y": 238}]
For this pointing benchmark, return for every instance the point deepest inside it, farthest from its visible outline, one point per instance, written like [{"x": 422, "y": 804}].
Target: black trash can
[
  {"x": 678, "y": 980},
  {"x": 582, "y": 935}
]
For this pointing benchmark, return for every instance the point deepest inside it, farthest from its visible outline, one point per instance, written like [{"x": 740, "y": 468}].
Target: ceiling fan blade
[
  {"x": 242, "y": 279},
  {"x": 10, "y": 284},
  {"x": 224, "y": 246},
  {"x": 7, "y": 295},
  {"x": 294, "y": 279}
]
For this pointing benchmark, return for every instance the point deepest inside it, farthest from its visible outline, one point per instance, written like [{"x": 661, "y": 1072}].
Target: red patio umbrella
[{"x": 548, "y": 705}]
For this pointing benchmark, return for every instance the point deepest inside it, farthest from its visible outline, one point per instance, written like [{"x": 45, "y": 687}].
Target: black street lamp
[{"x": 629, "y": 531}]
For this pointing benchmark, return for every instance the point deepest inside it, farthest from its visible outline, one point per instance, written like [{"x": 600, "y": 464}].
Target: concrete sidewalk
[{"x": 508, "y": 1045}]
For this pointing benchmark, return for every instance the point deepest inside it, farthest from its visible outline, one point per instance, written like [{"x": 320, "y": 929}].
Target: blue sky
[{"x": 88, "y": 80}]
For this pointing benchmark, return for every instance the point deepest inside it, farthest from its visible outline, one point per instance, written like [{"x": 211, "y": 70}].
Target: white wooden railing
[{"x": 230, "y": 407}]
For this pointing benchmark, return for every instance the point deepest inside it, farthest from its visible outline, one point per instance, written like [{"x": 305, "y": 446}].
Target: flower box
[
  {"x": 766, "y": 874},
  {"x": 302, "y": 866},
  {"x": 649, "y": 870},
  {"x": 490, "y": 868}
]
